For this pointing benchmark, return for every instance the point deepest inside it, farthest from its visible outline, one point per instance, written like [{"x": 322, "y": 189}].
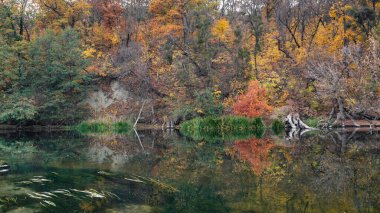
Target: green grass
[
  {"x": 313, "y": 122},
  {"x": 225, "y": 128},
  {"x": 100, "y": 127}
]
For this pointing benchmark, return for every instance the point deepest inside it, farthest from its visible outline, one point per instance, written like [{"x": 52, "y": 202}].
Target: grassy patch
[
  {"x": 224, "y": 128},
  {"x": 313, "y": 122},
  {"x": 121, "y": 127}
]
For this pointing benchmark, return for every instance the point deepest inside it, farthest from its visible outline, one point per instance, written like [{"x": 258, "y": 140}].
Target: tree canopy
[{"x": 195, "y": 57}]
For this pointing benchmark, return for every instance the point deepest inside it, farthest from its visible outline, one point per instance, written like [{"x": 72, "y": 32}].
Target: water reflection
[
  {"x": 255, "y": 152},
  {"x": 155, "y": 171}
]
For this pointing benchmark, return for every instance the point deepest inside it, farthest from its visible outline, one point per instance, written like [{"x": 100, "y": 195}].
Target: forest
[{"x": 65, "y": 61}]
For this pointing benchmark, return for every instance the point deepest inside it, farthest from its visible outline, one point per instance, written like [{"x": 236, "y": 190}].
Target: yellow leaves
[
  {"x": 104, "y": 39},
  {"x": 220, "y": 29},
  {"x": 347, "y": 7},
  {"x": 228, "y": 102},
  {"x": 342, "y": 27},
  {"x": 100, "y": 54},
  {"x": 82, "y": 7},
  {"x": 327, "y": 38},
  {"x": 333, "y": 13},
  {"x": 300, "y": 54},
  {"x": 270, "y": 55},
  {"x": 217, "y": 93},
  {"x": 353, "y": 66},
  {"x": 89, "y": 53},
  {"x": 114, "y": 39},
  {"x": 199, "y": 111},
  {"x": 63, "y": 13}
]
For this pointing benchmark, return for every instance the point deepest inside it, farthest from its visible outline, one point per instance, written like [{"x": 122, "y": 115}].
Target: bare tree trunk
[
  {"x": 342, "y": 114},
  {"x": 138, "y": 117}
]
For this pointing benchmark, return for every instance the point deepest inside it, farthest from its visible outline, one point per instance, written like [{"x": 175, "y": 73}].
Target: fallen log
[{"x": 358, "y": 123}]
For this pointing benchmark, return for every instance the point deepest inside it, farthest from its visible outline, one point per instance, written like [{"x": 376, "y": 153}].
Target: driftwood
[
  {"x": 295, "y": 126},
  {"x": 293, "y": 121}
]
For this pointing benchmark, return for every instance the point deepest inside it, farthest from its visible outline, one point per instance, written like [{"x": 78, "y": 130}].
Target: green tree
[
  {"x": 56, "y": 78},
  {"x": 43, "y": 82}
]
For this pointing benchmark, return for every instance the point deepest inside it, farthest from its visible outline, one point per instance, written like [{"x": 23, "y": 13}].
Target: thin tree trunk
[{"x": 138, "y": 117}]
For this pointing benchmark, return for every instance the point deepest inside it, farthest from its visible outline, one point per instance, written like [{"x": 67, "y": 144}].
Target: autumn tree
[
  {"x": 349, "y": 84},
  {"x": 253, "y": 103}
]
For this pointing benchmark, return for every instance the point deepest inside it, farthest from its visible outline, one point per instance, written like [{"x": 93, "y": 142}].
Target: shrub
[
  {"x": 278, "y": 127},
  {"x": 253, "y": 103}
]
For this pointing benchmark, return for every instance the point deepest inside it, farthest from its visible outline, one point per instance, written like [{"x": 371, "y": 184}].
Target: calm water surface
[{"x": 67, "y": 172}]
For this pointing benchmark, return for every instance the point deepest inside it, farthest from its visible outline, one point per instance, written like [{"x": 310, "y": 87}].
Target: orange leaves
[
  {"x": 110, "y": 12},
  {"x": 256, "y": 152},
  {"x": 103, "y": 38},
  {"x": 167, "y": 17},
  {"x": 253, "y": 103}
]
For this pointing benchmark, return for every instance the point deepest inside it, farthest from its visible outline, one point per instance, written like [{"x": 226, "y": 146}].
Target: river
[{"x": 334, "y": 171}]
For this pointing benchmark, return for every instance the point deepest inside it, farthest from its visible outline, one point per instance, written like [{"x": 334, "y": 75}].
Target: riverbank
[
  {"x": 361, "y": 123},
  {"x": 51, "y": 128},
  {"x": 142, "y": 126}
]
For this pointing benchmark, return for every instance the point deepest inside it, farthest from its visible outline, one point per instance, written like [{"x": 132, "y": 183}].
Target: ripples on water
[{"x": 335, "y": 171}]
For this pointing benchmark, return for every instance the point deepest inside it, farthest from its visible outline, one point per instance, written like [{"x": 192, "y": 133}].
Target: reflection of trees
[
  {"x": 334, "y": 170},
  {"x": 329, "y": 172},
  {"x": 256, "y": 152}
]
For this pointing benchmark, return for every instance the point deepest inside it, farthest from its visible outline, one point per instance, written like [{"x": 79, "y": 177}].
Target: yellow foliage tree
[{"x": 221, "y": 29}]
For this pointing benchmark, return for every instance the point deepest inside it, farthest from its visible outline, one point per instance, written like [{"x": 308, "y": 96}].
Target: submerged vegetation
[
  {"x": 102, "y": 127},
  {"x": 223, "y": 128}
]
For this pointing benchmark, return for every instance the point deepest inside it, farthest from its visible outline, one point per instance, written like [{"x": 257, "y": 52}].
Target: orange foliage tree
[
  {"x": 256, "y": 152},
  {"x": 253, "y": 103}
]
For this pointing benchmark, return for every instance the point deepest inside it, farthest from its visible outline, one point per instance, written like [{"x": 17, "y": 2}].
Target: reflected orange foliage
[{"x": 255, "y": 152}]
